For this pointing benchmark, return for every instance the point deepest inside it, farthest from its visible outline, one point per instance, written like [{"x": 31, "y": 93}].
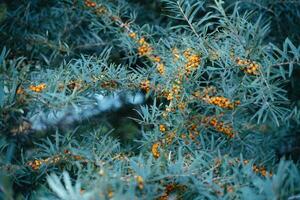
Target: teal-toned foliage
[{"x": 164, "y": 99}]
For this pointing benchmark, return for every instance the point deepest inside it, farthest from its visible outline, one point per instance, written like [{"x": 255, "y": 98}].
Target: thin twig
[{"x": 186, "y": 18}]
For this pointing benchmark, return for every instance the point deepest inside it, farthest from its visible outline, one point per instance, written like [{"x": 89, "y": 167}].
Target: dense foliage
[{"x": 163, "y": 99}]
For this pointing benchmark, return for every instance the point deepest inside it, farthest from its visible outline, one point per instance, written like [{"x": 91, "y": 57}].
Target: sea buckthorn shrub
[{"x": 207, "y": 90}]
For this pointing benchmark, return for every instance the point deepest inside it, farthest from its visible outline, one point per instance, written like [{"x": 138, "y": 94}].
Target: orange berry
[{"x": 162, "y": 128}]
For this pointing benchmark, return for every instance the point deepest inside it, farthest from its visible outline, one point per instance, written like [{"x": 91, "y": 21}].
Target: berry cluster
[
  {"x": 222, "y": 188},
  {"x": 261, "y": 170},
  {"x": 219, "y": 126},
  {"x": 174, "y": 95},
  {"x": 192, "y": 133},
  {"x": 109, "y": 84},
  {"x": 132, "y": 35},
  {"x": 90, "y": 3},
  {"x": 38, "y": 88},
  {"x": 36, "y": 164},
  {"x": 155, "y": 150},
  {"x": 171, "y": 188},
  {"x": 145, "y": 86},
  {"x": 193, "y": 61},
  {"x": 162, "y": 128},
  {"x": 170, "y": 137},
  {"x": 144, "y": 47},
  {"x": 257, "y": 169},
  {"x": 174, "y": 92},
  {"x": 248, "y": 66},
  {"x": 228, "y": 187},
  {"x": 181, "y": 106},
  {"x": 160, "y": 68},
  {"x": 221, "y": 102}
]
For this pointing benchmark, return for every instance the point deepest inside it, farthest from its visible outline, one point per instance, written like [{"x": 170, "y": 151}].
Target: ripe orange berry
[{"x": 156, "y": 59}]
